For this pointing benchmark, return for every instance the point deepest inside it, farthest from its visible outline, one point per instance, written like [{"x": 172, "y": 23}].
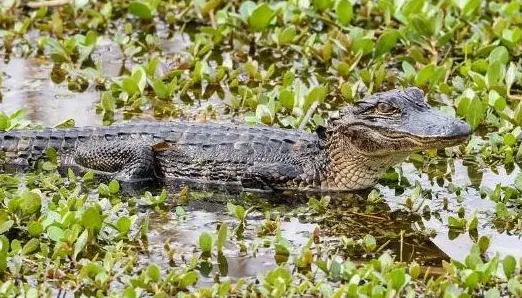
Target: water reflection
[{"x": 27, "y": 86}]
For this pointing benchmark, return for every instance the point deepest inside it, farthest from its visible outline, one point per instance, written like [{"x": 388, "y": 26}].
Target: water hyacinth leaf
[
  {"x": 187, "y": 279},
  {"x": 205, "y": 6},
  {"x": 205, "y": 242},
  {"x": 4, "y": 121},
  {"x": 6, "y": 226},
  {"x": 317, "y": 94},
  {"x": 160, "y": 89},
  {"x": 496, "y": 101},
  {"x": 114, "y": 186},
  {"x": 509, "y": 265},
  {"x": 91, "y": 218},
  {"x": 494, "y": 74},
  {"x": 153, "y": 271},
  {"x": 264, "y": 114},
  {"x": 31, "y": 201},
  {"x": 140, "y": 77},
  {"x": 31, "y": 246},
  {"x": 261, "y": 17},
  {"x": 386, "y": 42},
  {"x": 492, "y": 293},
  {"x": 55, "y": 233},
  {"x": 511, "y": 76},
  {"x": 475, "y": 112},
  {"x": 222, "y": 237},
  {"x": 470, "y": 278},
  {"x": 412, "y": 7},
  {"x": 483, "y": 244},
  {"x": 107, "y": 102},
  {"x": 322, "y": 5},
  {"x": 369, "y": 242},
  {"x": 246, "y": 9},
  {"x": 408, "y": 69},
  {"x": 141, "y": 9},
  {"x": 80, "y": 243},
  {"x": 515, "y": 287},
  {"x": 499, "y": 54},
  {"x": 287, "y": 97},
  {"x": 287, "y": 35},
  {"x": 35, "y": 228},
  {"x": 363, "y": 45},
  {"x": 130, "y": 86},
  {"x": 123, "y": 224},
  {"x": 424, "y": 75},
  {"x": 397, "y": 279},
  {"x": 66, "y": 124},
  {"x": 344, "y": 12}
]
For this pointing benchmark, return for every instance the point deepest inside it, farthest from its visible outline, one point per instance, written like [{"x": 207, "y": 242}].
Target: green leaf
[
  {"x": 322, "y": 4},
  {"x": 123, "y": 224},
  {"x": 475, "y": 112},
  {"x": 369, "y": 242},
  {"x": 130, "y": 86},
  {"x": 344, "y": 12},
  {"x": 4, "y": 121},
  {"x": 31, "y": 246},
  {"x": 139, "y": 75},
  {"x": 500, "y": 54},
  {"x": 91, "y": 218},
  {"x": 286, "y": 97},
  {"x": 492, "y": 293},
  {"x": 397, "y": 278},
  {"x": 205, "y": 242},
  {"x": 114, "y": 186},
  {"x": 65, "y": 124},
  {"x": 494, "y": 74},
  {"x": 35, "y": 228},
  {"x": 424, "y": 75},
  {"x": 515, "y": 287},
  {"x": 6, "y": 226},
  {"x": 386, "y": 42},
  {"x": 509, "y": 265},
  {"x": 153, "y": 271},
  {"x": 55, "y": 233},
  {"x": 261, "y": 17},
  {"x": 141, "y": 10},
  {"x": 318, "y": 94},
  {"x": 31, "y": 202},
  {"x": 160, "y": 89},
  {"x": 287, "y": 35},
  {"x": 483, "y": 243},
  {"x": 222, "y": 237},
  {"x": 470, "y": 278},
  {"x": 187, "y": 279},
  {"x": 107, "y": 102},
  {"x": 80, "y": 243},
  {"x": 263, "y": 114}
]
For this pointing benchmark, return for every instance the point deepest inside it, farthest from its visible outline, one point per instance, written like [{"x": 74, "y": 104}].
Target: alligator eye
[{"x": 385, "y": 108}]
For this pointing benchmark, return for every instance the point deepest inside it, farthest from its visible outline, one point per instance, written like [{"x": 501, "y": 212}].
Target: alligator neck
[{"x": 350, "y": 169}]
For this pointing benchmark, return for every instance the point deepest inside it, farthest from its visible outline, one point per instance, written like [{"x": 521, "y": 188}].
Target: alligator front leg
[
  {"x": 269, "y": 176},
  {"x": 123, "y": 160}
]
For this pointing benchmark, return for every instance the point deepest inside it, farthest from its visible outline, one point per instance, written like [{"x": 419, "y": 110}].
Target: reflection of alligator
[{"x": 350, "y": 153}]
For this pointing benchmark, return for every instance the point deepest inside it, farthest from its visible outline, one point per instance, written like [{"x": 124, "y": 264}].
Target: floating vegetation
[{"x": 442, "y": 224}]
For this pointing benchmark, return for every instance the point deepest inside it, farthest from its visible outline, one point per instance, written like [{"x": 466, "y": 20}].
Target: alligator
[{"x": 349, "y": 153}]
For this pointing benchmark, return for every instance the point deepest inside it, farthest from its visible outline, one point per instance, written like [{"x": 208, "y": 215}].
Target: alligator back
[{"x": 221, "y": 143}]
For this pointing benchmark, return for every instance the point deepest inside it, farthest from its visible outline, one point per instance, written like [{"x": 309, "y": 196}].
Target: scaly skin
[{"x": 350, "y": 153}]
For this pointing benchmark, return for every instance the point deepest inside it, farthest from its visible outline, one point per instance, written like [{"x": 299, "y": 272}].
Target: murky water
[{"x": 26, "y": 85}]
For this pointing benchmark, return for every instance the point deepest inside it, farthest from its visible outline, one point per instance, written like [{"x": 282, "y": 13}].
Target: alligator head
[
  {"x": 398, "y": 121},
  {"x": 382, "y": 130}
]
